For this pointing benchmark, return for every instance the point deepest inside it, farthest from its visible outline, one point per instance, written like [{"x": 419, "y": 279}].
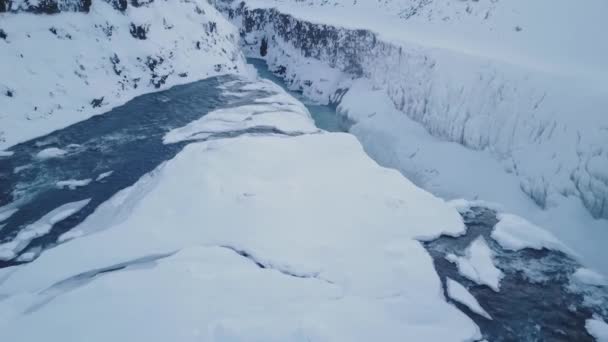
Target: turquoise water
[{"x": 325, "y": 116}]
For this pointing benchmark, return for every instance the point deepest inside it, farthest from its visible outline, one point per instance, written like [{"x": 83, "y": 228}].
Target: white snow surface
[
  {"x": 264, "y": 237},
  {"x": 515, "y": 233},
  {"x": 459, "y": 293},
  {"x": 9, "y": 249},
  {"x": 478, "y": 265},
  {"x": 63, "y": 68},
  {"x": 51, "y": 152},
  {"x": 598, "y": 329},
  {"x": 104, "y": 175},
  {"x": 538, "y": 131},
  {"x": 590, "y": 277}
]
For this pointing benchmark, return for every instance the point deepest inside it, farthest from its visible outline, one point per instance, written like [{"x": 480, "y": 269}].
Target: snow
[
  {"x": 73, "y": 183},
  {"x": 478, "y": 265},
  {"x": 280, "y": 111},
  {"x": 590, "y": 277},
  {"x": 598, "y": 329},
  {"x": 515, "y": 233},
  {"x": 6, "y": 154},
  {"x": 103, "y": 175},
  {"x": 252, "y": 237},
  {"x": 67, "y": 67},
  {"x": 460, "y": 294},
  {"x": 51, "y": 152},
  {"x": 10, "y": 249},
  {"x": 533, "y": 138}
]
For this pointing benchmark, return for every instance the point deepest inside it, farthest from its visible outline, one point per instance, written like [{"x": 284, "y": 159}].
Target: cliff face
[
  {"x": 86, "y": 58},
  {"x": 547, "y": 129}
]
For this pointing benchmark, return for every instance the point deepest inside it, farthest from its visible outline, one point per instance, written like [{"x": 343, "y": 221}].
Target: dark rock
[
  {"x": 97, "y": 102},
  {"x": 2, "y": 33},
  {"x": 264, "y": 47},
  {"x": 139, "y": 31}
]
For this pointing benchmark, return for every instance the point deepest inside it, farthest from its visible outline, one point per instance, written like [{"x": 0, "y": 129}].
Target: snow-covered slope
[
  {"x": 257, "y": 237},
  {"x": 491, "y": 75},
  {"x": 62, "y": 68}
]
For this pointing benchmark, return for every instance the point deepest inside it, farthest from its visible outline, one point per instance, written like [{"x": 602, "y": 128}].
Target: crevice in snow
[
  {"x": 81, "y": 279},
  {"x": 264, "y": 264}
]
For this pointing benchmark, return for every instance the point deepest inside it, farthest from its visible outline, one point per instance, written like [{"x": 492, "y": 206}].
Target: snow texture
[
  {"x": 257, "y": 236},
  {"x": 478, "y": 264},
  {"x": 515, "y": 233},
  {"x": 533, "y": 135},
  {"x": 460, "y": 294},
  {"x": 63, "y": 68},
  {"x": 547, "y": 121},
  {"x": 590, "y": 277},
  {"x": 103, "y": 176}
]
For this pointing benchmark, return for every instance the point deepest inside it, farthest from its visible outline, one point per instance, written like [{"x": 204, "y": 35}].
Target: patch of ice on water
[
  {"x": 73, "y": 183},
  {"x": 589, "y": 277},
  {"x": 10, "y": 249},
  {"x": 598, "y": 329},
  {"x": 104, "y": 175},
  {"x": 51, "y": 152},
  {"x": 6, "y": 153},
  {"x": 478, "y": 265},
  {"x": 459, "y": 293},
  {"x": 515, "y": 233}
]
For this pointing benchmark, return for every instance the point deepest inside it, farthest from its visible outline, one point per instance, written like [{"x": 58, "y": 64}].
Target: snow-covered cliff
[
  {"x": 64, "y": 60},
  {"x": 445, "y": 65}
]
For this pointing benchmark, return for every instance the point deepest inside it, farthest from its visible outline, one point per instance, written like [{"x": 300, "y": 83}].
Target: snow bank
[
  {"x": 256, "y": 236},
  {"x": 478, "y": 264},
  {"x": 10, "y": 249},
  {"x": 545, "y": 122},
  {"x": 514, "y": 233},
  {"x": 460, "y": 294},
  {"x": 62, "y": 68}
]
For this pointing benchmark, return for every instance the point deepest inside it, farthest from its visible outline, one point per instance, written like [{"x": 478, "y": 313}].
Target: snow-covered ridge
[
  {"x": 62, "y": 68},
  {"x": 549, "y": 129}
]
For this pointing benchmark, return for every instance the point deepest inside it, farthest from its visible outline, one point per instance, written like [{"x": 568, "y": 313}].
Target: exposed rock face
[{"x": 530, "y": 120}]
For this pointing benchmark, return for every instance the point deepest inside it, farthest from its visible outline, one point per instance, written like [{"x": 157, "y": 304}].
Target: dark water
[
  {"x": 535, "y": 302},
  {"x": 127, "y": 141},
  {"x": 325, "y": 116}
]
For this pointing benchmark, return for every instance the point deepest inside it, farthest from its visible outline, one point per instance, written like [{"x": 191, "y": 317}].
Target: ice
[
  {"x": 73, "y": 183},
  {"x": 278, "y": 111},
  {"x": 51, "y": 152},
  {"x": 272, "y": 242},
  {"x": 104, "y": 175},
  {"x": 590, "y": 277},
  {"x": 459, "y": 293},
  {"x": 7, "y": 212},
  {"x": 598, "y": 329},
  {"x": 10, "y": 249},
  {"x": 478, "y": 265},
  {"x": 515, "y": 233},
  {"x": 6, "y": 153}
]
